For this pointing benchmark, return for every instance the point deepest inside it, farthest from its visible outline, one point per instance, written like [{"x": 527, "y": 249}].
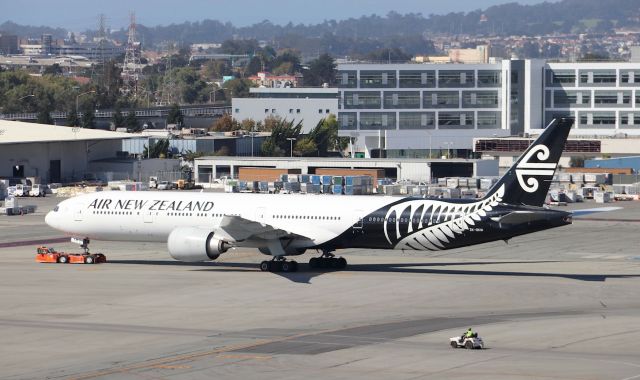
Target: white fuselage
[{"x": 151, "y": 216}]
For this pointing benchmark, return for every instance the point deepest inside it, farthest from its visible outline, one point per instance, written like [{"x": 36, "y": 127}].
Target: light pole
[
  {"x": 214, "y": 94},
  {"x": 291, "y": 140},
  {"x": 78, "y": 97}
]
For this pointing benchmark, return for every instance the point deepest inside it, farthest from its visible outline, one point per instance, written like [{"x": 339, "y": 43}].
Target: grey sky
[{"x": 77, "y": 15}]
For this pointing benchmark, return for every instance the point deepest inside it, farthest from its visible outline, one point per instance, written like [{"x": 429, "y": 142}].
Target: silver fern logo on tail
[
  {"x": 438, "y": 223},
  {"x": 534, "y": 169}
]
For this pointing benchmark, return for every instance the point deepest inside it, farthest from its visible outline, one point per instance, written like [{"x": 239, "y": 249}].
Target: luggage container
[
  {"x": 337, "y": 189},
  {"x": 453, "y": 182}
]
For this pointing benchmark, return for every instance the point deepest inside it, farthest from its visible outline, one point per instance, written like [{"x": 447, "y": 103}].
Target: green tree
[
  {"x": 157, "y": 149},
  {"x": 306, "y": 147},
  {"x": 88, "y": 118},
  {"x": 118, "y": 118},
  {"x": 226, "y": 123},
  {"x": 175, "y": 116},
  {"x": 72, "y": 118},
  {"x": 237, "y": 88},
  {"x": 44, "y": 116},
  {"x": 277, "y": 144},
  {"x": 131, "y": 122},
  {"x": 321, "y": 70}
]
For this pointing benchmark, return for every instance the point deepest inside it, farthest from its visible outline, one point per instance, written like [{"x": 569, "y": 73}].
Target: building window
[
  {"x": 598, "y": 77},
  {"x": 362, "y": 100},
  {"x": 489, "y": 78},
  {"x": 320, "y": 110},
  {"x": 347, "y": 79},
  {"x": 377, "y": 78},
  {"x": 599, "y": 120},
  {"x": 456, "y": 78},
  {"x": 489, "y": 120},
  {"x": 611, "y": 98},
  {"x": 561, "y": 78},
  {"x": 348, "y": 121},
  {"x": 629, "y": 119},
  {"x": 416, "y": 120},
  {"x": 327, "y": 111},
  {"x": 237, "y": 110},
  {"x": 565, "y": 99},
  {"x": 629, "y": 77},
  {"x": 377, "y": 120},
  {"x": 441, "y": 99},
  {"x": 401, "y": 99},
  {"x": 273, "y": 110},
  {"x": 290, "y": 110},
  {"x": 455, "y": 120},
  {"x": 480, "y": 99},
  {"x": 550, "y": 115},
  {"x": 297, "y": 110},
  {"x": 266, "y": 110},
  {"x": 417, "y": 79}
]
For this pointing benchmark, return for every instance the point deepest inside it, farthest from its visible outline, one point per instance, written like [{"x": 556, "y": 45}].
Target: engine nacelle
[{"x": 195, "y": 244}]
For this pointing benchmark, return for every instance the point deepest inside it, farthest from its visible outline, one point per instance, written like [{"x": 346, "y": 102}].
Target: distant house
[{"x": 265, "y": 79}]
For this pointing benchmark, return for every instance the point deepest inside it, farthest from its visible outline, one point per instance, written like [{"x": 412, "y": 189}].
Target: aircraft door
[
  {"x": 261, "y": 214},
  {"x": 77, "y": 214},
  {"x": 358, "y": 226}
]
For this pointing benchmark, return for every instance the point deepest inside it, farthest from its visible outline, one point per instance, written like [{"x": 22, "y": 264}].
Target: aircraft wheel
[
  {"x": 264, "y": 266},
  {"x": 286, "y": 266},
  {"x": 63, "y": 259},
  {"x": 313, "y": 263},
  {"x": 89, "y": 260},
  {"x": 342, "y": 263}
]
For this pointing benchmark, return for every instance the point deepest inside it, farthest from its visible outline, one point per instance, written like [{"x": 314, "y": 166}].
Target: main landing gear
[
  {"x": 328, "y": 260},
  {"x": 279, "y": 264}
]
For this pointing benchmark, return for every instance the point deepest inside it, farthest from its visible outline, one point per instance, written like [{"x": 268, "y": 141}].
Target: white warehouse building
[{"x": 306, "y": 105}]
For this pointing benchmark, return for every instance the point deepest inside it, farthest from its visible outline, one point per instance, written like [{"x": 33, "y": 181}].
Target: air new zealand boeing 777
[{"x": 202, "y": 226}]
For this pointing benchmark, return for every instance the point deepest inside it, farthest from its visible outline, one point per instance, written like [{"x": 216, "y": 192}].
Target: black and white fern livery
[{"x": 431, "y": 224}]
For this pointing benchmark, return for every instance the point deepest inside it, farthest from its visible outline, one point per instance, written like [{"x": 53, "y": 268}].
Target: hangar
[{"x": 53, "y": 153}]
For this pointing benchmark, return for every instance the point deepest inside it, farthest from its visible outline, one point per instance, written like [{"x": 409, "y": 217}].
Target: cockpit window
[{"x": 55, "y": 209}]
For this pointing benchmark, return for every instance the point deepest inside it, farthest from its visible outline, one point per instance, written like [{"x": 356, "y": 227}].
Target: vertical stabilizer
[{"x": 527, "y": 181}]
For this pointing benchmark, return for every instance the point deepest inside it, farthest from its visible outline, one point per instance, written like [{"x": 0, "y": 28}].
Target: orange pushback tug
[{"x": 50, "y": 255}]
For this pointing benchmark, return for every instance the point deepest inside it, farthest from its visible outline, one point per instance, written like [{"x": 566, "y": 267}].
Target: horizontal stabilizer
[
  {"x": 518, "y": 217},
  {"x": 588, "y": 211}
]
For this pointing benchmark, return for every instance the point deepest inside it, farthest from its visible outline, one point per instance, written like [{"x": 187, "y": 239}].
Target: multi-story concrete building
[
  {"x": 415, "y": 110},
  {"x": 8, "y": 44},
  {"x": 306, "y": 105}
]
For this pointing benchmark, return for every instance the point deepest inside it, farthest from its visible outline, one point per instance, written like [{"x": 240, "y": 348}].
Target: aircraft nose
[{"x": 49, "y": 219}]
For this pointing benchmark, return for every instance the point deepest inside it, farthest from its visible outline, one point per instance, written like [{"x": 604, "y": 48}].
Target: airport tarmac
[{"x": 559, "y": 304}]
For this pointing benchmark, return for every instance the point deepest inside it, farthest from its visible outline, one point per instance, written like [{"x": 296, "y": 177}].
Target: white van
[{"x": 38, "y": 190}]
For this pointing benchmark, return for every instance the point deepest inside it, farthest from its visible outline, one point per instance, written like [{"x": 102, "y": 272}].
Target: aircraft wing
[{"x": 236, "y": 228}]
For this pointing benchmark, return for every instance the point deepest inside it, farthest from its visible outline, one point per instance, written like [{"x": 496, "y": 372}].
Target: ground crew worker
[{"x": 469, "y": 333}]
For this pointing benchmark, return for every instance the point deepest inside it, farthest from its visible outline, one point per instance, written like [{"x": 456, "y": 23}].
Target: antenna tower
[{"x": 131, "y": 69}]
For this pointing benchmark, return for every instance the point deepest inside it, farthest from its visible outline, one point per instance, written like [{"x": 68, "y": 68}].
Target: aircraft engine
[{"x": 194, "y": 244}]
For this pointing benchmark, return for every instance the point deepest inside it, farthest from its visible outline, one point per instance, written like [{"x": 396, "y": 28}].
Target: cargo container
[
  {"x": 375, "y": 174},
  {"x": 336, "y": 189}
]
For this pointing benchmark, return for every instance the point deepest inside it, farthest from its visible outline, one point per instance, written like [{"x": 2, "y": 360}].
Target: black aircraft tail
[{"x": 527, "y": 181}]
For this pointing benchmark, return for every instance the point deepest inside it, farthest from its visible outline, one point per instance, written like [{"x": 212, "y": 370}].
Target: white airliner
[{"x": 202, "y": 226}]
